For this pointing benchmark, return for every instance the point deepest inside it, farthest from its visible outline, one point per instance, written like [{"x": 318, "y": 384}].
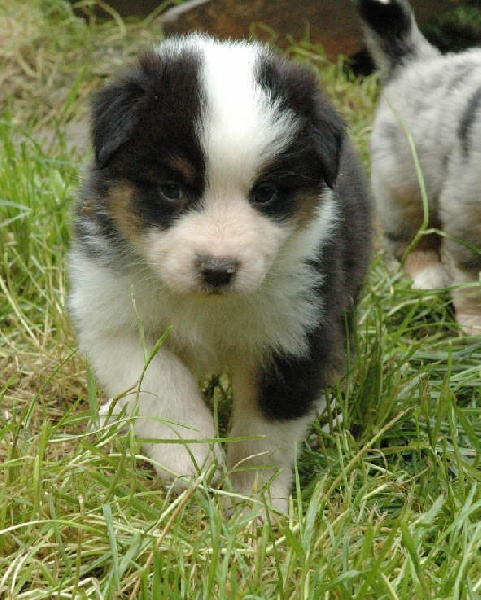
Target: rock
[{"x": 332, "y": 23}]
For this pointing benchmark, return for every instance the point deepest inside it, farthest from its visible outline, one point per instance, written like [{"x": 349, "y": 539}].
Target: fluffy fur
[
  {"x": 225, "y": 204},
  {"x": 437, "y": 99}
]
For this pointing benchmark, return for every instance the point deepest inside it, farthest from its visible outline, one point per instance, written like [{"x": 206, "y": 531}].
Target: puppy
[
  {"x": 225, "y": 206},
  {"x": 435, "y": 100}
]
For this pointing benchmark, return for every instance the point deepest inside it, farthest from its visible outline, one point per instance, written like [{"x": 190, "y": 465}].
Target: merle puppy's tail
[{"x": 392, "y": 35}]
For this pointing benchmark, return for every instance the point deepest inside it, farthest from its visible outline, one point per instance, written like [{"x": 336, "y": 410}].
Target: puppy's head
[{"x": 211, "y": 156}]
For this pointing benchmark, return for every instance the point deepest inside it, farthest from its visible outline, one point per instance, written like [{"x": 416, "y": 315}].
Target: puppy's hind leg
[
  {"x": 467, "y": 300},
  {"x": 461, "y": 216},
  {"x": 462, "y": 254},
  {"x": 402, "y": 214},
  {"x": 423, "y": 264}
]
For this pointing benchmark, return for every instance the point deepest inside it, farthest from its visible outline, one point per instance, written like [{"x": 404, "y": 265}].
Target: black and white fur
[
  {"x": 437, "y": 99},
  {"x": 226, "y": 203}
]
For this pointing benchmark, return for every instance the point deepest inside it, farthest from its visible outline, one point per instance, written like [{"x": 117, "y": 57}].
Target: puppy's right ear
[{"x": 115, "y": 111}]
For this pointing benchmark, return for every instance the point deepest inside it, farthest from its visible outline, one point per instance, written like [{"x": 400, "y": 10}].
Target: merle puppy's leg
[
  {"x": 400, "y": 208},
  {"x": 168, "y": 407},
  {"x": 466, "y": 295},
  {"x": 461, "y": 214}
]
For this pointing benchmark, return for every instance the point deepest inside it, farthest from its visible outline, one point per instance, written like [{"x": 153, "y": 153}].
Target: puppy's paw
[
  {"x": 109, "y": 413},
  {"x": 426, "y": 270},
  {"x": 253, "y": 511},
  {"x": 271, "y": 488},
  {"x": 466, "y": 295},
  {"x": 433, "y": 277},
  {"x": 182, "y": 462},
  {"x": 470, "y": 323}
]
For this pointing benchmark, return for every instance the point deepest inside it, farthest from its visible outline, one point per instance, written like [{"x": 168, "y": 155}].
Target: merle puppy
[
  {"x": 436, "y": 100},
  {"x": 226, "y": 206}
]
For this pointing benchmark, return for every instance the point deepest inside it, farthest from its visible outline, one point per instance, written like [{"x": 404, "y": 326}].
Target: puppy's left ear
[
  {"x": 297, "y": 87},
  {"x": 328, "y": 133}
]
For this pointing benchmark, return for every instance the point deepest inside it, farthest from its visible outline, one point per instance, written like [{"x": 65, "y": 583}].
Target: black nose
[{"x": 217, "y": 272}]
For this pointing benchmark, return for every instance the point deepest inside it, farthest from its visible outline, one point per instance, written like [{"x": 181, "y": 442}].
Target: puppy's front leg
[
  {"x": 168, "y": 405},
  {"x": 262, "y": 464}
]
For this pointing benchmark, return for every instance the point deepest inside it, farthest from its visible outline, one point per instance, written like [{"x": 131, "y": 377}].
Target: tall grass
[{"x": 387, "y": 506}]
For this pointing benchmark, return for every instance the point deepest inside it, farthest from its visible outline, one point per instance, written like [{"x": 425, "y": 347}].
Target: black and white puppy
[
  {"x": 226, "y": 204},
  {"x": 436, "y": 100}
]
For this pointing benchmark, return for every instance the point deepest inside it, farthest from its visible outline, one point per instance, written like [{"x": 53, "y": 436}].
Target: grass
[{"x": 387, "y": 507}]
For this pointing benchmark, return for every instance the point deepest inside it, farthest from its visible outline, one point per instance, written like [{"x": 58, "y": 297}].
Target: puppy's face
[{"x": 210, "y": 156}]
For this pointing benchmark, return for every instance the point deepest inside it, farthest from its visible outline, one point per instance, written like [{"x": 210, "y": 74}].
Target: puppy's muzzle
[{"x": 217, "y": 273}]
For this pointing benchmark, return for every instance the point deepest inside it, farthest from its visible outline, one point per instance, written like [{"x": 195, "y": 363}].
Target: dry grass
[{"x": 52, "y": 60}]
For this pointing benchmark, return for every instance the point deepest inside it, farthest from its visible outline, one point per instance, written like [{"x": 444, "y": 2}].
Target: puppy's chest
[{"x": 211, "y": 334}]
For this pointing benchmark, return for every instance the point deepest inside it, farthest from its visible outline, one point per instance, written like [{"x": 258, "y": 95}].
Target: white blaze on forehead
[{"x": 242, "y": 128}]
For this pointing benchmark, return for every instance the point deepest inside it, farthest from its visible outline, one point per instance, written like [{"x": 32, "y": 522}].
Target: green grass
[{"x": 387, "y": 507}]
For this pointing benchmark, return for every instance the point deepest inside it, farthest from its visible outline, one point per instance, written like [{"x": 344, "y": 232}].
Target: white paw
[
  {"x": 470, "y": 323},
  {"x": 433, "y": 277},
  {"x": 182, "y": 462},
  {"x": 264, "y": 484},
  {"x": 109, "y": 414}
]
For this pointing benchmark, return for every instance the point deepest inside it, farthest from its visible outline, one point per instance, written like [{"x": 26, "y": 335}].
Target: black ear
[
  {"x": 296, "y": 87},
  {"x": 328, "y": 133},
  {"x": 115, "y": 115}
]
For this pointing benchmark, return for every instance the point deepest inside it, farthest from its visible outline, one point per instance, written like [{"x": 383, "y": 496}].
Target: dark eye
[
  {"x": 263, "y": 193},
  {"x": 172, "y": 191}
]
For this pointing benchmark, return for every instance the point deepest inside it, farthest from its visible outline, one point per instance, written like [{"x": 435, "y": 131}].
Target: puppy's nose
[{"x": 217, "y": 272}]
